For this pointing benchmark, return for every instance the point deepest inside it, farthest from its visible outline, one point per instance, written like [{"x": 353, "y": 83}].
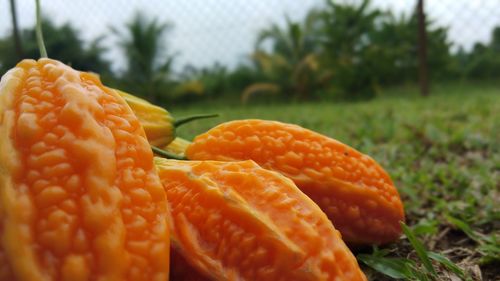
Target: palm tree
[
  {"x": 292, "y": 66},
  {"x": 149, "y": 63},
  {"x": 293, "y": 43},
  {"x": 346, "y": 42},
  {"x": 366, "y": 47}
]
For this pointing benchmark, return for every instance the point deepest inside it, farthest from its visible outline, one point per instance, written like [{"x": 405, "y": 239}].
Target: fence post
[
  {"x": 422, "y": 50},
  {"x": 15, "y": 30}
]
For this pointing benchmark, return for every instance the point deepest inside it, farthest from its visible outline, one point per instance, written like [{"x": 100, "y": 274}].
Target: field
[{"x": 443, "y": 154}]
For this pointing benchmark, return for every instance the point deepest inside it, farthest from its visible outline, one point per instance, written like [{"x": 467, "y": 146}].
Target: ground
[{"x": 443, "y": 155}]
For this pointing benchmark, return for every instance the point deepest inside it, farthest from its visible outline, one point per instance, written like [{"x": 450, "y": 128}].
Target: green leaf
[
  {"x": 490, "y": 250},
  {"x": 448, "y": 264},
  {"x": 394, "y": 267},
  {"x": 464, "y": 227},
  {"x": 419, "y": 248},
  {"x": 425, "y": 227},
  {"x": 488, "y": 245}
]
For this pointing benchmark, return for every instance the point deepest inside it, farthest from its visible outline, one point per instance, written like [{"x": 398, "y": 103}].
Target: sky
[{"x": 207, "y": 31}]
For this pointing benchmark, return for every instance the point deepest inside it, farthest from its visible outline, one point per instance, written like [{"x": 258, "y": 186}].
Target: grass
[{"x": 443, "y": 154}]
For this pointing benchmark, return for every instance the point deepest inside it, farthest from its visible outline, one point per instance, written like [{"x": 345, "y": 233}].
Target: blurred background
[{"x": 262, "y": 51}]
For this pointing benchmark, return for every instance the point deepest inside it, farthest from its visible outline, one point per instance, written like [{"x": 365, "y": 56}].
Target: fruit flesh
[
  {"x": 350, "y": 187},
  {"x": 237, "y": 221},
  {"x": 181, "y": 270},
  {"x": 80, "y": 198}
]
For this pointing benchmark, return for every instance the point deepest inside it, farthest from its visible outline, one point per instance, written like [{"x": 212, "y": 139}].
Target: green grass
[{"x": 443, "y": 154}]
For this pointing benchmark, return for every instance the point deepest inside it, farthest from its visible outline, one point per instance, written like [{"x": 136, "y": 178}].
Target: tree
[
  {"x": 483, "y": 62},
  {"x": 62, "y": 42},
  {"x": 422, "y": 50},
  {"x": 396, "y": 42},
  {"x": 345, "y": 33},
  {"x": 292, "y": 67},
  {"x": 213, "y": 78},
  {"x": 148, "y": 60},
  {"x": 367, "y": 47}
]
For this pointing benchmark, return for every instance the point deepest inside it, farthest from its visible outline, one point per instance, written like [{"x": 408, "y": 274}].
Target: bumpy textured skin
[
  {"x": 350, "y": 187},
  {"x": 238, "y": 221},
  {"x": 80, "y": 198},
  {"x": 156, "y": 121}
]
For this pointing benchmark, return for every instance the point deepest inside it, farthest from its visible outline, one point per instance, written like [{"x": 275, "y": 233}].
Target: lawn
[{"x": 443, "y": 154}]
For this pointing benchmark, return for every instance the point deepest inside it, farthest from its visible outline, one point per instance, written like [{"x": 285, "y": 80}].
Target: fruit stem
[
  {"x": 39, "y": 34},
  {"x": 167, "y": 154},
  {"x": 188, "y": 119}
]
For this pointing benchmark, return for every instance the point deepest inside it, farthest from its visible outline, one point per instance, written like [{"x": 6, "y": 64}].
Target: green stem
[
  {"x": 188, "y": 119},
  {"x": 167, "y": 154},
  {"x": 39, "y": 34}
]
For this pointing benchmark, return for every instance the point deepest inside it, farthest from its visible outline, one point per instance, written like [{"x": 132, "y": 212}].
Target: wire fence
[{"x": 209, "y": 31}]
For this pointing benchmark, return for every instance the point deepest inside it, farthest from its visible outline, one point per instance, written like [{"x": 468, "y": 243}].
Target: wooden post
[
  {"x": 15, "y": 30},
  {"x": 422, "y": 50}
]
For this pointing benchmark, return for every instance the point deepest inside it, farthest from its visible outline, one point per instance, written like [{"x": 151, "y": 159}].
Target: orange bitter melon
[
  {"x": 354, "y": 191},
  {"x": 238, "y": 221},
  {"x": 80, "y": 198},
  {"x": 181, "y": 270}
]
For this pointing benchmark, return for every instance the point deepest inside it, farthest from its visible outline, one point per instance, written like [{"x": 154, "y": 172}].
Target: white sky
[{"x": 224, "y": 30}]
